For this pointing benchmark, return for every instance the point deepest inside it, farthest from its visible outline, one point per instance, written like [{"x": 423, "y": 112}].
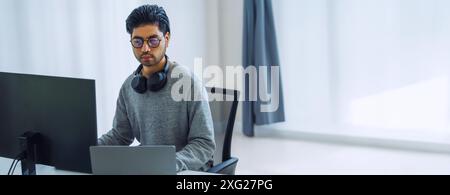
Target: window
[{"x": 371, "y": 67}]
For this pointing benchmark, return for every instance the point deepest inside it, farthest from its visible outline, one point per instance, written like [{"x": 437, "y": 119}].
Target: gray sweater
[{"x": 155, "y": 118}]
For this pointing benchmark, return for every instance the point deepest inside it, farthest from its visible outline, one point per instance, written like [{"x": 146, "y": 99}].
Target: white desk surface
[{"x": 5, "y": 163}]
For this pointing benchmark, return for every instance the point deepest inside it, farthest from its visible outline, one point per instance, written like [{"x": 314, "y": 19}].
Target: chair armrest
[{"x": 225, "y": 167}]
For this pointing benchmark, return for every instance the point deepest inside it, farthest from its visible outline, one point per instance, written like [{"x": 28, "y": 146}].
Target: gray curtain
[{"x": 259, "y": 50}]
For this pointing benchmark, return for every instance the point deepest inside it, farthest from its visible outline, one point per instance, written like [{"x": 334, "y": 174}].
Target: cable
[
  {"x": 10, "y": 168},
  {"x": 17, "y": 162}
]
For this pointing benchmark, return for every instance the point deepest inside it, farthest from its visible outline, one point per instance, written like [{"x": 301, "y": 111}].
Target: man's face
[{"x": 148, "y": 36}]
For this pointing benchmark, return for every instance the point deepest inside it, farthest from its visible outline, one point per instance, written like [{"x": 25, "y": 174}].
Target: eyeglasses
[{"x": 139, "y": 42}]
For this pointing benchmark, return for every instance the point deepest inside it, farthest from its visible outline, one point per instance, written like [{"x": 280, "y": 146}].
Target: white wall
[{"x": 231, "y": 29}]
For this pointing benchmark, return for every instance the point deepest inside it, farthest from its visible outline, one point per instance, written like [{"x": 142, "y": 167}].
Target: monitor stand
[{"x": 28, "y": 142}]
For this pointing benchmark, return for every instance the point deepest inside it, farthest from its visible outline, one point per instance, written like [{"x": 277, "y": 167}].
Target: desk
[{"x": 5, "y": 163}]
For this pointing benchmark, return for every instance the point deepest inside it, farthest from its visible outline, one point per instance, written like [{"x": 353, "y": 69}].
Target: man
[{"x": 145, "y": 108}]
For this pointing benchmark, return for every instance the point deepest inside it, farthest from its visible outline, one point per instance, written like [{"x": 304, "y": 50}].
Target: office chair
[{"x": 223, "y": 114}]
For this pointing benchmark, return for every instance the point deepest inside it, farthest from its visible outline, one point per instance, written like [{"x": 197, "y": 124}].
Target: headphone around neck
[{"x": 156, "y": 82}]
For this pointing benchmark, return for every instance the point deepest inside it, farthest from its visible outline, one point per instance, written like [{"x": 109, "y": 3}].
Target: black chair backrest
[{"x": 223, "y": 104}]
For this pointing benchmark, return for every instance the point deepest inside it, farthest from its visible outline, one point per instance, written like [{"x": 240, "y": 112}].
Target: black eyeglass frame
[{"x": 148, "y": 40}]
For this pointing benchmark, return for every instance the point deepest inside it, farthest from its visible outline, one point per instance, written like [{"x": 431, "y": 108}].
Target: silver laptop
[{"x": 139, "y": 160}]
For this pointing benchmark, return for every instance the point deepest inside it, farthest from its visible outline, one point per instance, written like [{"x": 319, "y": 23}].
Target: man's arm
[
  {"x": 201, "y": 146},
  {"x": 121, "y": 133}
]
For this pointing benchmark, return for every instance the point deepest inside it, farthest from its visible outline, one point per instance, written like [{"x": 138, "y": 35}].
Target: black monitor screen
[{"x": 61, "y": 110}]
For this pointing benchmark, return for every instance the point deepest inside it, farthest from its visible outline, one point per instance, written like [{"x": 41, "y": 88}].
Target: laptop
[{"x": 139, "y": 160}]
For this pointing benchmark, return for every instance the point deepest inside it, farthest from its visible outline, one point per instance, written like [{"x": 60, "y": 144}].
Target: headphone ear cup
[
  {"x": 157, "y": 81},
  {"x": 139, "y": 84}
]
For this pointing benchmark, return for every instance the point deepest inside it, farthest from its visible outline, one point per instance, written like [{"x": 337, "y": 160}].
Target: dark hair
[{"x": 148, "y": 14}]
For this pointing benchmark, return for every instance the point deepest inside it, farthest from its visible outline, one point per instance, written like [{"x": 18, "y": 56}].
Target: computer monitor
[{"x": 61, "y": 110}]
